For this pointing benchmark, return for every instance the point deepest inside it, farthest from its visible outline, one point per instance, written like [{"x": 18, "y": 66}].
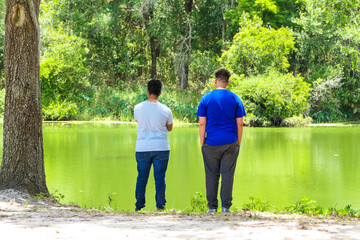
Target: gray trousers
[{"x": 220, "y": 160}]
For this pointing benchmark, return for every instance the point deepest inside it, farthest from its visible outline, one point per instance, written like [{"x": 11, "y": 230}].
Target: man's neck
[{"x": 153, "y": 98}]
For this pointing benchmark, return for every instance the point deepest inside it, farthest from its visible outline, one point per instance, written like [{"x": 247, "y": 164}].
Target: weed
[{"x": 198, "y": 203}]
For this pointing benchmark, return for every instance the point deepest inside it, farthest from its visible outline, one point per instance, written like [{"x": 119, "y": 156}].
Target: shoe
[
  {"x": 212, "y": 210},
  {"x": 226, "y": 210},
  {"x": 137, "y": 209},
  {"x": 160, "y": 209}
]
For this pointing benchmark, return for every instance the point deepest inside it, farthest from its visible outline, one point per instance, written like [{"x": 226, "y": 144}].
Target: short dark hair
[
  {"x": 222, "y": 74},
  {"x": 154, "y": 87}
]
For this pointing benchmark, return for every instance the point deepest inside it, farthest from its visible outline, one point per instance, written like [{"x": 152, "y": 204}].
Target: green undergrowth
[{"x": 198, "y": 206}]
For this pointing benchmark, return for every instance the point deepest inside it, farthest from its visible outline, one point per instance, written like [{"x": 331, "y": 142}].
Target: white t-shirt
[{"x": 152, "y": 134}]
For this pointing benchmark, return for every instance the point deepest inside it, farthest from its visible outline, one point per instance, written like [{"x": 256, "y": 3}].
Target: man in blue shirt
[
  {"x": 220, "y": 115},
  {"x": 154, "y": 120}
]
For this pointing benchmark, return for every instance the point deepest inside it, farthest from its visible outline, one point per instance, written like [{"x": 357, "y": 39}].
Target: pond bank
[{"x": 23, "y": 216}]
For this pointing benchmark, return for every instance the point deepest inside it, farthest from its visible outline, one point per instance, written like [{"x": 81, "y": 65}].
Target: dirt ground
[{"x": 25, "y": 217}]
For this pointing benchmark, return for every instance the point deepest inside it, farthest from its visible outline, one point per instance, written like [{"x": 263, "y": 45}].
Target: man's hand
[{"x": 169, "y": 127}]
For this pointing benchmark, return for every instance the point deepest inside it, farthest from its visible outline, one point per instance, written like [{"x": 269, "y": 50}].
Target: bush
[
  {"x": 272, "y": 97},
  {"x": 305, "y": 206},
  {"x": 108, "y": 102},
  {"x": 62, "y": 63},
  {"x": 256, "y": 48},
  {"x": 59, "y": 110},
  {"x": 297, "y": 121},
  {"x": 325, "y": 104},
  {"x": 251, "y": 120},
  {"x": 198, "y": 203}
]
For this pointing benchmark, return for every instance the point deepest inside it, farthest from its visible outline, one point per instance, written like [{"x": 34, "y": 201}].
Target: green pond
[{"x": 88, "y": 161}]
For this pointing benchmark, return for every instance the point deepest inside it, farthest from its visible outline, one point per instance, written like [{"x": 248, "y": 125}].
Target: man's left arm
[
  {"x": 239, "y": 123},
  {"x": 169, "y": 127},
  {"x": 169, "y": 124}
]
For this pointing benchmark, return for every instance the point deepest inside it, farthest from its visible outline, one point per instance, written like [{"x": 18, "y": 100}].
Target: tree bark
[
  {"x": 23, "y": 157},
  {"x": 148, "y": 15},
  {"x": 186, "y": 46},
  {"x": 155, "y": 51}
]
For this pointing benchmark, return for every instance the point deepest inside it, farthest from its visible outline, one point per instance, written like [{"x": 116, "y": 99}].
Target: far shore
[
  {"x": 340, "y": 124},
  {"x": 179, "y": 123}
]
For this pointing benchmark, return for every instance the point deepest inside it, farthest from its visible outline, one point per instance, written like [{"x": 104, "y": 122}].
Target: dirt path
[{"x": 28, "y": 218}]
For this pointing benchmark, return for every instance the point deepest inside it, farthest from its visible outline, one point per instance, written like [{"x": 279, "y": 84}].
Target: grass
[{"x": 252, "y": 209}]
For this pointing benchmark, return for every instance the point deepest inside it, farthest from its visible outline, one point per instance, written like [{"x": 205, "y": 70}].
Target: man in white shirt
[{"x": 154, "y": 120}]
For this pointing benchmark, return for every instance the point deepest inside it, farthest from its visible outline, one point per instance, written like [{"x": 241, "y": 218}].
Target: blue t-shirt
[{"x": 221, "y": 108}]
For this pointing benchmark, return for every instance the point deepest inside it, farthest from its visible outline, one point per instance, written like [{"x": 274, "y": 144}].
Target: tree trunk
[
  {"x": 185, "y": 47},
  {"x": 23, "y": 157},
  {"x": 148, "y": 15},
  {"x": 154, "y": 55}
]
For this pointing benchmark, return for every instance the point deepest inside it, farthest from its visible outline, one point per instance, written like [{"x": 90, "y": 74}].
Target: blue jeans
[{"x": 144, "y": 160}]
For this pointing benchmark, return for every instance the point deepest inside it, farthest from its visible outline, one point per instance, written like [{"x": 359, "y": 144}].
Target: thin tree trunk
[
  {"x": 154, "y": 44},
  {"x": 23, "y": 158},
  {"x": 185, "y": 50},
  {"x": 154, "y": 55}
]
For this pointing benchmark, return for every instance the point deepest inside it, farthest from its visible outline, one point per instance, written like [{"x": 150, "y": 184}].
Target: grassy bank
[{"x": 198, "y": 206}]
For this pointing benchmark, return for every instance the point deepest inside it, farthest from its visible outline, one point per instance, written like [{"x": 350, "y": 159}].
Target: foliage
[
  {"x": 297, "y": 121},
  {"x": 59, "y": 110},
  {"x": 198, "y": 203},
  {"x": 203, "y": 65},
  {"x": 56, "y": 195},
  {"x": 256, "y": 48},
  {"x": 274, "y": 13},
  {"x": 325, "y": 105},
  {"x": 62, "y": 63},
  {"x": 258, "y": 205},
  {"x": 272, "y": 97},
  {"x": 88, "y": 46},
  {"x": 305, "y": 206},
  {"x": 113, "y": 103},
  {"x": 302, "y": 206},
  {"x": 328, "y": 49}
]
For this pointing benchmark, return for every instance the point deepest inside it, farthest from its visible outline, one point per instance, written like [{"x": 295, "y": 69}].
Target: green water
[{"x": 86, "y": 162}]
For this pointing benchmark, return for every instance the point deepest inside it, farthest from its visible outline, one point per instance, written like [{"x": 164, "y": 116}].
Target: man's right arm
[
  {"x": 202, "y": 130},
  {"x": 239, "y": 123}
]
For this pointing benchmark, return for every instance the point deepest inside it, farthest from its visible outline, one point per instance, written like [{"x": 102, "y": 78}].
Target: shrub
[
  {"x": 108, "y": 102},
  {"x": 59, "y": 110},
  {"x": 256, "y": 48},
  {"x": 325, "y": 104},
  {"x": 251, "y": 120},
  {"x": 305, "y": 206},
  {"x": 198, "y": 203},
  {"x": 297, "y": 121},
  {"x": 272, "y": 97},
  {"x": 258, "y": 205},
  {"x": 62, "y": 65}
]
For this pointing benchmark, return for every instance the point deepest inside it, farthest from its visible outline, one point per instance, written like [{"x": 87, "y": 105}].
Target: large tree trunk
[{"x": 23, "y": 158}]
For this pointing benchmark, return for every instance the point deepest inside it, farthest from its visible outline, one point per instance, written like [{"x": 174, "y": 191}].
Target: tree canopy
[{"x": 95, "y": 48}]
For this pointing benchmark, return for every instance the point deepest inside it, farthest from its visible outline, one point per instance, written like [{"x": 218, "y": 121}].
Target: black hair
[
  {"x": 154, "y": 87},
  {"x": 222, "y": 75}
]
